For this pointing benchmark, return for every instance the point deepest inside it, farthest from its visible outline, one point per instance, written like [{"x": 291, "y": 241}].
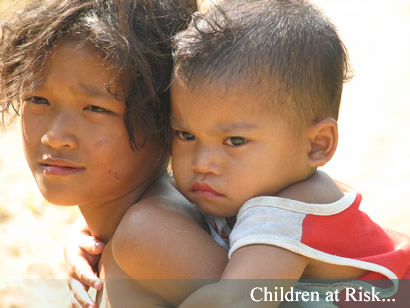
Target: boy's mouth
[{"x": 205, "y": 190}]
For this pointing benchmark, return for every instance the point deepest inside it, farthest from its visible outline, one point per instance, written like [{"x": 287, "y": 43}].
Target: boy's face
[
  {"x": 74, "y": 136},
  {"x": 230, "y": 146}
]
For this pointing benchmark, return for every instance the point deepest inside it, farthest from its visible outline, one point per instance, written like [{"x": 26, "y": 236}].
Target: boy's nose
[
  {"x": 60, "y": 133},
  {"x": 206, "y": 161}
]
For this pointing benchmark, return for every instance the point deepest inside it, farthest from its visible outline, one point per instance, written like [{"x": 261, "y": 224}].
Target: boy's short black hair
[
  {"x": 134, "y": 36},
  {"x": 286, "y": 50}
]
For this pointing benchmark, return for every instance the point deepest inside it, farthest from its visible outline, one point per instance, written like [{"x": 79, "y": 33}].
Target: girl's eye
[
  {"x": 235, "y": 141},
  {"x": 184, "y": 135},
  {"x": 37, "y": 100},
  {"x": 96, "y": 109}
]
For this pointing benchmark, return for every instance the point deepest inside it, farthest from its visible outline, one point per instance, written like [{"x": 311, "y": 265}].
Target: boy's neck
[{"x": 103, "y": 218}]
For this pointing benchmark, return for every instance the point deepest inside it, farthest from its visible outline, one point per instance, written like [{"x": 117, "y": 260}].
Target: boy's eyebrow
[
  {"x": 221, "y": 127},
  {"x": 234, "y": 126}
]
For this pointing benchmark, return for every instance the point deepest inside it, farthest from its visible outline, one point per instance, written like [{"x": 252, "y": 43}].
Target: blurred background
[{"x": 373, "y": 155}]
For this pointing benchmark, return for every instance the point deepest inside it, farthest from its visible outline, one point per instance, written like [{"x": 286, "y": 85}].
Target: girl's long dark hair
[{"x": 134, "y": 36}]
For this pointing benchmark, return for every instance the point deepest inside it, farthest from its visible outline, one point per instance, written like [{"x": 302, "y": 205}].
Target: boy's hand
[{"x": 81, "y": 253}]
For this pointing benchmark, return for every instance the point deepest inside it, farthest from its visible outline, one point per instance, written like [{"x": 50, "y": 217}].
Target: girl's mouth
[{"x": 59, "y": 167}]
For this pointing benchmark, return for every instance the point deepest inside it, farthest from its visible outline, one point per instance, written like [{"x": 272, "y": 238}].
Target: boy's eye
[
  {"x": 96, "y": 109},
  {"x": 37, "y": 100},
  {"x": 235, "y": 141},
  {"x": 184, "y": 135}
]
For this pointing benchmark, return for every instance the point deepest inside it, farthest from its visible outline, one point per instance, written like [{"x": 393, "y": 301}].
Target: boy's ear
[{"x": 323, "y": 137}]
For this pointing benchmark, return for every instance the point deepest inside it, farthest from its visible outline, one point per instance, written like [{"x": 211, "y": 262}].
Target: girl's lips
[
  {"x": 203, "y": 189},
  {"x": 58, "y": 170},
  {"x": 59, "y": 167}
]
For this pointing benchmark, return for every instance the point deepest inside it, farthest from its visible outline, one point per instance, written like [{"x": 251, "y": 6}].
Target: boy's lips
[
  {"x": 204, "y": 189},
  {"x": 58, "y": 166}
]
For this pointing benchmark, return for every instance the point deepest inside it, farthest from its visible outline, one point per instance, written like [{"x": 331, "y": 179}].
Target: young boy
[{"x": 255, "y": 100}]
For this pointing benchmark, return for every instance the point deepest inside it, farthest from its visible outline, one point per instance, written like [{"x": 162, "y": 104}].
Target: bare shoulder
[
  {"x": 119, "y": 290},
  {"x": 164, "y": 196},
  {"x": 162, "y": 237}
]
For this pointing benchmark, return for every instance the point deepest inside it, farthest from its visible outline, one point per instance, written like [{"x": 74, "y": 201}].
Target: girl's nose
[{"x": 60, "y": 133}]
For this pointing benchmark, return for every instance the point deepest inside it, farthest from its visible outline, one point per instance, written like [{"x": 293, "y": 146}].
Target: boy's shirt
[
  {"x": 337, "y": 233},
  {"x": 220, "y": 229}
]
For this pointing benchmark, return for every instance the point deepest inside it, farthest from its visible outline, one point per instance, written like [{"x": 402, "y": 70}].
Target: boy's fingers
[
  {"x": 80, "y": 296},
  {"x": 86, "y": 275},
  {"x": 73, "y": 303},
  {"x": 90, "y": 244}
]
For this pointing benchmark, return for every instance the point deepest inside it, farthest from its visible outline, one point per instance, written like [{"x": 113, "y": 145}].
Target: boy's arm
[
  {"x": 250, "y": 269},
  {"x": 319, "y": 189},
  {"x": 258, "y": 262}
]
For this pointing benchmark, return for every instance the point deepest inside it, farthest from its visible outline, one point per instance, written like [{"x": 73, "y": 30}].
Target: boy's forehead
[
  {"x": 245, "y": 100},
  {"x": 242, "y": 96}
]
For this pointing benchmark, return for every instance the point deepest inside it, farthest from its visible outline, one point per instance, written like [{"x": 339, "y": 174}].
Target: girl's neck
[{"x": 103, "y": 218}]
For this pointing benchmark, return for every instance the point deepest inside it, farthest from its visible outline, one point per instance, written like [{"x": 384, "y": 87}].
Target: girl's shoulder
[
  {"x": 159, "y": 238},
  {"x": 162, "y": 198},
  {"x": 162, "y": 223}
]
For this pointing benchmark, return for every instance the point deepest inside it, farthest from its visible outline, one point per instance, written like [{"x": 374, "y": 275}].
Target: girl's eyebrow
[
  {"x": 88, "y": 90},
  {"x": 93, "y": 91},
  {"x": 175, "y": 120},
  {"x": 37, "y": 84}
]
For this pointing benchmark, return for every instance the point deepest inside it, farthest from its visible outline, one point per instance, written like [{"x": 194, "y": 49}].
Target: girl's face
[
  {"x": 74, "y": 136},
  {"x": 230, "y": 146}
]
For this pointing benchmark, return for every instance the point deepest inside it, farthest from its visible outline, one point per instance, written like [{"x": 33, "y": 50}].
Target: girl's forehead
[
  {"x": 69, "y": 46},
  {"x": 69, "y": 52},
  {"x": 78, "y": 67}
]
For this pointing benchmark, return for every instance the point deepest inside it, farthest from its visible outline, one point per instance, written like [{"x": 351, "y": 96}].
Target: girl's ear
[{"x": 323, "y": 137}]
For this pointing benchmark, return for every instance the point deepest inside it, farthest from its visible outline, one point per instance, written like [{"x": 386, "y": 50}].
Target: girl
[{"x": 90, "y": 80}]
